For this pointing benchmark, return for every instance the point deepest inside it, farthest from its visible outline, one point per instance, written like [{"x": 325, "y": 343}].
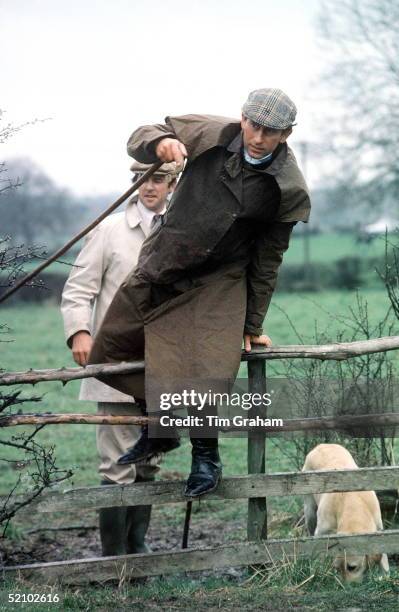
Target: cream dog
[{"x": 343, "y": 513}]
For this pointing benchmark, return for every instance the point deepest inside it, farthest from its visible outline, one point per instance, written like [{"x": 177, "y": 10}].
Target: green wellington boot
[
  {"x": 112, "y": 523},
  {"x": 137, "y": 523}
]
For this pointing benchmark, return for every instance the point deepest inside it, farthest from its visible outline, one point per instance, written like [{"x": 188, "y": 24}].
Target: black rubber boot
[
  {"x": 146, "y": 448},
  {"x": 206, "y": 467},
  {"x": 112, "y": 522},
  {"x": 137, "y": 523}
]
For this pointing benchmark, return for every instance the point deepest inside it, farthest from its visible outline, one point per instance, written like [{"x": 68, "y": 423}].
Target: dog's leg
[
  {"x": 384, "y": 564},
  {"x": 310, "y": 509}
]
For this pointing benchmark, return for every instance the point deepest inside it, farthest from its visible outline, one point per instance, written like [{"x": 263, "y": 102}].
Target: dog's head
[{"x": 352, "y": 567}]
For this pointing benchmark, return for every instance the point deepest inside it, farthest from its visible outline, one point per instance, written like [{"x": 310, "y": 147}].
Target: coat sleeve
[
  {"x": 141, "y": 144},
  {"x": 262, "y": 273},
  {"x": 84, "y": 284},
  {"x": 197, "y": 132}
]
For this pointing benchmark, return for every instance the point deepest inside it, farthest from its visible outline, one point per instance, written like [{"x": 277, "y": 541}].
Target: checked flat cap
[
  {"x": 171, "y": 168},
  {"x": 270, "y": 108}
]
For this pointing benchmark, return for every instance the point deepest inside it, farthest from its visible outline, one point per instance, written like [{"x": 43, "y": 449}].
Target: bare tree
[
  {"x": 39, "y": 210},
  {"x": 390, "y": 273},
  {"x": 36, "y": 462},
  {"x": 360, "y": 41}
]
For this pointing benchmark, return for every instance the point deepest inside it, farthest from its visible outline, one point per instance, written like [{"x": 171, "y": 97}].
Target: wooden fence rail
[
  {"x": 123, "y": 568},
  {"x": 337, "y": 351},
  {"x": 356, "y": 422},
  {"x": 237, "y": 487}
]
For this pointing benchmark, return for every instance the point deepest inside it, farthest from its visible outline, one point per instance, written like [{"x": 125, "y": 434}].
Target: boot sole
[
  {"x": 145, "y": 458},
  {"x": 204, "y": 492}
]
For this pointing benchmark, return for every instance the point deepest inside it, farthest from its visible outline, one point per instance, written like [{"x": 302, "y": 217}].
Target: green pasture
[
  {"x": 324, "y": 248},
  {"x": 35, "y": 340}
]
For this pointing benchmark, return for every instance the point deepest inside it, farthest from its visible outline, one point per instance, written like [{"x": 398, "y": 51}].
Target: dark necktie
[{"x": 156, "y": 221}]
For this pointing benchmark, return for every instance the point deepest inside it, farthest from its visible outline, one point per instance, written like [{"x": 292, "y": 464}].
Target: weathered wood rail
[
  {"x": 337, "y": 351},
  {"x": 123, "y": 568},
  {"x": 255, "y": 487},
  {"x": 237, "y": 487},
  {"x": 342, "y": 422}
]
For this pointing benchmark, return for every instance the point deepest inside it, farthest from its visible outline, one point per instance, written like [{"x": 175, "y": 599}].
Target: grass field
[
  {"x": 35, "y": 339},
  {"x": 324, "y": 248},
  {"x": 284, "y": 592}
]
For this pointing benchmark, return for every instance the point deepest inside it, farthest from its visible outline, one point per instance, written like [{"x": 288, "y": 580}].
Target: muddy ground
[{"x": 74, "y": 536}]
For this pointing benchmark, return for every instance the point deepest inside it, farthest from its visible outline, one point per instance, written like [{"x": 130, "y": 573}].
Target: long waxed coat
[{"x": 189, "y": 326}]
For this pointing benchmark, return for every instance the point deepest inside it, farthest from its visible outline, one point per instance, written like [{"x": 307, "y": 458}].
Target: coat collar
[
  {"x": 133, "y": 216},
  {"x": 233, "y": 165}
]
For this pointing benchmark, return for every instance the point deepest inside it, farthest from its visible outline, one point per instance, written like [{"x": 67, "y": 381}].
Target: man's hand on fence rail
[{"x": 257, "y": 340}]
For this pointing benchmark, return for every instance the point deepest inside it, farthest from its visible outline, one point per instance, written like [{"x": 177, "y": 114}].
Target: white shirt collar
[{"x": 147, "y": 214}]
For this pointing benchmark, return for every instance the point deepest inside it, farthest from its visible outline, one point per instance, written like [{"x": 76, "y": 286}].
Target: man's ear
[
  {"x": 285, "y": 134},
  {"x": 171, "y": 186},
  {"x": 243, "y": 120}
]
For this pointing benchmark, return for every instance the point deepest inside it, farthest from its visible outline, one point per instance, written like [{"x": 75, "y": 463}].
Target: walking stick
[
  {"x": 82, "y": 233},
  {"x": 187, "y": 524}
]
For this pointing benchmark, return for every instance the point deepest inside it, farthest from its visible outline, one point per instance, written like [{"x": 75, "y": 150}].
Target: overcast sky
[{"x": 100, "y": 68}]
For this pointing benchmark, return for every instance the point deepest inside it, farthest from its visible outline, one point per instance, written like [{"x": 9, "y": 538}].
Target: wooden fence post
[{"x": 257, "y": 509}]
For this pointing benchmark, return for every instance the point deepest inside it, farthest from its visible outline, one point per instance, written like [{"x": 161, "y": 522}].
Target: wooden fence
[{"x": 255, "y": 487}]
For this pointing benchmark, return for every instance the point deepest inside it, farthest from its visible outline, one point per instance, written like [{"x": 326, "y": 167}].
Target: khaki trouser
[{"x": 114, "y": 440}]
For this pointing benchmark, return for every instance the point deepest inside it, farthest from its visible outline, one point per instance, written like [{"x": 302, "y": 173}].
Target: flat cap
[
  {"x": 270, "y": 108},
  {"x": 171, "y": 168}
]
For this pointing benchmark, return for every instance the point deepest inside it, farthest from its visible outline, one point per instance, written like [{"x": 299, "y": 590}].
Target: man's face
[
  {"x": 153, "y": 193},
  {"x": 260, "y": 141}
]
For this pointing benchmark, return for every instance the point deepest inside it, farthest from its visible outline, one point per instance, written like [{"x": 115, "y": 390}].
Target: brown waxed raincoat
[{"x": 189, "y": 326}]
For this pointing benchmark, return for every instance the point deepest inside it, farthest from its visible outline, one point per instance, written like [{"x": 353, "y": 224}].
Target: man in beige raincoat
[
  {"x": 205, "y": 278},
  {"x": 108, "y": 255}
]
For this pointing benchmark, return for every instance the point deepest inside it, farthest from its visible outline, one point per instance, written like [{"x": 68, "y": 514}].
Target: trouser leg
[{"x": 113, "y": 440}]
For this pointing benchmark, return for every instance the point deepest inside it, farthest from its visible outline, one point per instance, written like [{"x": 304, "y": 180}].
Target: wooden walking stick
[
  {"x": 82, "y": 233},
  {"x": 186, "y": 528}
]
